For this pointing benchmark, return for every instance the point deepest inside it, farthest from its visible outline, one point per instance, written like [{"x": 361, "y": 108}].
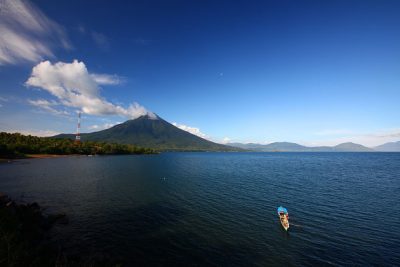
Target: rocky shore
[{"x": 24, "y": 239}]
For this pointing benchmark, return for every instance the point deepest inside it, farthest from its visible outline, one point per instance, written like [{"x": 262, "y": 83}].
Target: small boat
[{"x": 284, "y": 217}]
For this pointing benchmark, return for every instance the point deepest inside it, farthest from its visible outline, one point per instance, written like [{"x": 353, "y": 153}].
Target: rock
[
  {"x": 34, "y": 206},
  {"x": 4, "y": 198}
]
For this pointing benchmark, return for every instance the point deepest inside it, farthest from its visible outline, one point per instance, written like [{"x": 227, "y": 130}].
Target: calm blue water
[{"x": 220, "y": 208}]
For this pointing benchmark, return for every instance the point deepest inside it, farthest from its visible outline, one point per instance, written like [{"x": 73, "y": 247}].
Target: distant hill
[
  {"x": 293, "y": 147},
  {"x": 351, "y": 147},
  {"x": 389, "y": 147},
  {"x": 153, "y": 133},
  {"x": 277, "y": 146}
]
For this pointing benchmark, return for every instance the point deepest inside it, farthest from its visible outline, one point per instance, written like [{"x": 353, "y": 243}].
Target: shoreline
[
  {"x": 48, "y": 156},
  {"x": 36, "y": 156}
]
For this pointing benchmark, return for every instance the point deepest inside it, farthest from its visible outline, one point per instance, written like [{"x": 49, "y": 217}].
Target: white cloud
[
  {"x": 103, "y": 126},
  {"x": 27, "y": 34},
  {"x": 94, "y": 127},
  {"x": 199, "y": 133},
  {"x": 107, "y": 79},
  {"x": 42, "y": 102},
  {"x": 35, "y": 132},
  {"x": 226, "y": 140},
  {"x": 47, "y": 106},
  {"x": 75, "y": 87},
  {"x": 192, "y": 130}
]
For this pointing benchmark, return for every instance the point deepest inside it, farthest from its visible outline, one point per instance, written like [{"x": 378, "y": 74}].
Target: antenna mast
[{"x": 78, "y": 129}]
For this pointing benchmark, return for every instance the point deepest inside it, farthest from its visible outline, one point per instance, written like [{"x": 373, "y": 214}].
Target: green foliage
[{"x": 17, "y": 145}]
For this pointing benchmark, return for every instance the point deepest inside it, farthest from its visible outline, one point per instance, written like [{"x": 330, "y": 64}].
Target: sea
[{"x": 219, "y": 209}]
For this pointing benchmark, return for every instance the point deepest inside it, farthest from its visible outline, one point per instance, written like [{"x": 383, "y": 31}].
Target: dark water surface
[{"x": 220, "y": 208}]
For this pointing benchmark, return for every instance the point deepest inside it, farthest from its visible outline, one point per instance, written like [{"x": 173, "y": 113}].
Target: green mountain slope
[{"x": 153, "y": 133}]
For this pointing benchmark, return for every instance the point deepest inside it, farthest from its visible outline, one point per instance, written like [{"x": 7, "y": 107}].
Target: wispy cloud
[
  {"x": 101, "y": 40},
  {"x": 391, "y": 134},
  {"x": 48, "y": 106},
  {"x": 370, "y": 139},
  {"x": 107, "y": 79},
  {"x": 75, "y": 87},
  {"x": 192, "y": 130},
  {"x": 81, "y": 29},
  {"x": 334, "y": 132},
  {"x": 3, "y": 99},
  {"x": 142, "y": 41},
  {"x": 27, "y": 34}
]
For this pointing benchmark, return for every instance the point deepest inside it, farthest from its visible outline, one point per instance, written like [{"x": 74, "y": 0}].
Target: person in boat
[{"x": 284, "y": 217}]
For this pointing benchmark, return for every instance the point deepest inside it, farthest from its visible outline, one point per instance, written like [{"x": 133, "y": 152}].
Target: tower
[{"x": 78, "y": 129}]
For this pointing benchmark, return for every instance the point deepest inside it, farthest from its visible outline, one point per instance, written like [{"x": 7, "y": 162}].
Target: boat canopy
[{"x": 282, "y": 209}]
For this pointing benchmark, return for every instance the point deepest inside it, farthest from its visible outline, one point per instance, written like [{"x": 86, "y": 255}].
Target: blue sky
[{"x": 312, "y": 72}]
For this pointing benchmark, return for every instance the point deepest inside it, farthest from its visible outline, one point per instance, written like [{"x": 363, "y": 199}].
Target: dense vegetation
[{"x": 17, "y": 145}]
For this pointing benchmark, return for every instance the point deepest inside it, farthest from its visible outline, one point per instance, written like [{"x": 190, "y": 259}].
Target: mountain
[
  {"x": 151, "y": 132},
  {"x": 351, "y": 147},
  {"x": 389, "y": 147},
  {"x": 277, "y": 146},
  {"x": 293, "y": 147},
  {"x": 248, "y": 146},
  {"x": 284, "y": 146}
]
